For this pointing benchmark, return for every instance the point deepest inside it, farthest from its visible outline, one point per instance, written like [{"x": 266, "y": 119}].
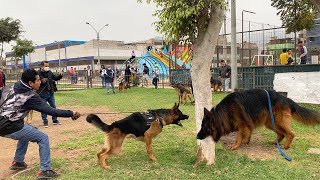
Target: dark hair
[
  {"x": 284, "y": 50},
  {"x": 222, "y": 60},
  {"x": 42, "y": 63},
  {"x": 29, "y": 75}
]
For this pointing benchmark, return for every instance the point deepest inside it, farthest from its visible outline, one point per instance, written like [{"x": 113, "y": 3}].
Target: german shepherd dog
[
  {"x": 244, "y": 111},
  {"x": 216, "y": 84},
  {"x": 142, "y": 126},
  {"x": 183, "y": 92},
  {"x": 123, "y": 86}
]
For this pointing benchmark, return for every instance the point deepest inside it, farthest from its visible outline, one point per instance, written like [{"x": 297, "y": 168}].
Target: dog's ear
[
  {"x": 176, "y": 106},
  {"x": 212, "y": 109},
  {"x": 206, "y": 112}
]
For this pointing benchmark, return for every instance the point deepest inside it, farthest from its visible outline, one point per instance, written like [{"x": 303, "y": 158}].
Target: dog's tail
[
  {"x": 304, "y": 115},
  {"x": 96, "y": 121}
]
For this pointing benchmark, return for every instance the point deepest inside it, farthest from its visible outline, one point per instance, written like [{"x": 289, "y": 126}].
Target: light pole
[
  {"x": 97, "y": 32},
  {"x": 242, "y": 44},
  {"x": 234, "y": 71},
  {"x": 59, "y": 54},
  {"x": 274, "y": 30}
]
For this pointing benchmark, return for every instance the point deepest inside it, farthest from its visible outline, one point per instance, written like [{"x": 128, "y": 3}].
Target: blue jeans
[
  {"x": 103, "y": 81},
  {"x": 48, "y": 97},
  {"x": 108, "y": 84},
  {"x": 30, "y": 134}
]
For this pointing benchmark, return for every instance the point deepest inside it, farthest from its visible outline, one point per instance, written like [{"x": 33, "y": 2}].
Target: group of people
[
  {"x": 286, "y": 55},
  {"x": 73, "y": 75},
  {"x": 32, "y": 92}
]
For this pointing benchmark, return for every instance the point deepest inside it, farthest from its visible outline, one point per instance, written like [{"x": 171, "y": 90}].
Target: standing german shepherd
[
  {"x": 144, "y": 126},
  {"x": 244, "y": 111},
  {"x": 183, "y": 92}
]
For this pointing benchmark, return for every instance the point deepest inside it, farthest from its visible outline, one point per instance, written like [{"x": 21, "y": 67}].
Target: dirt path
[{"x": 57, "y": 134}]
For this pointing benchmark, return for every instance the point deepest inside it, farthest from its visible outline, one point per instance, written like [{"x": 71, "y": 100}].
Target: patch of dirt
[
  {"x": 254, "y": 150},
  {"x": 314, "y": 150},
  {"x": 57, "y": 134}
]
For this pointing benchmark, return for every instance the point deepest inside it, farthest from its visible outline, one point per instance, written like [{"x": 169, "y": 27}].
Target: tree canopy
[
  {"x": 180, "y": 18},
  {"x": 23, "y": 47},
  {"x": 296, "y": 15},
  {"x": 10, "y": 29}
]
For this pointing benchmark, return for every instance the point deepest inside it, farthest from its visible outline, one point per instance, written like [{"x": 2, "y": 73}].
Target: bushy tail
[
  {"x": 96, "y": 121},
  {"x": 305, "y": 116}
]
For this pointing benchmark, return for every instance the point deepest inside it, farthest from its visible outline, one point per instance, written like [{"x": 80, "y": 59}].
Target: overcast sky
[{"x": 45, "y": 21}]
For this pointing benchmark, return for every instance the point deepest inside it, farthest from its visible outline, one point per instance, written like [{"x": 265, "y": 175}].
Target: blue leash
[{"x": 274, "y": 129}]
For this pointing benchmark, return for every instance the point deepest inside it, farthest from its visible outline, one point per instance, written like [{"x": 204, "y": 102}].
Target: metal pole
[
  {"x": 98, "y": 33},
  {"x": 59, "y": 56},
  {"x": 295, "y": 34},
  {"x": 242, "y": 44},
  {"x": 224, "y": 39},
  {"x": 262, "y": 44},
  {"x": 98, "y": 63},
  {"x": 249, "y": 43},
  {"x": 234, "y": 72}
]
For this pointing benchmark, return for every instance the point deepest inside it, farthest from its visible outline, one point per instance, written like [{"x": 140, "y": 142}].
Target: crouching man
[{"x": 15, "y": 104}]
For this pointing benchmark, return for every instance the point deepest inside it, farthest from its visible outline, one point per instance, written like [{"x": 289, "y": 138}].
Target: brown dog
[
  {"x": 143, "y": 126},
  {"x": 216, "y": 85},
  {"x": 246, "y": 110},
  {"x": 123, "y": 86},
  {"x": 183, "y": 93}
]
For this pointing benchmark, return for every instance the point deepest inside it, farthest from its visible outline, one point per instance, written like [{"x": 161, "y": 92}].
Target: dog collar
[{"x": 161, "y": 121}]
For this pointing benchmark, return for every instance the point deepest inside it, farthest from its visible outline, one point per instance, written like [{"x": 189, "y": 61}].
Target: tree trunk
[
  {"x": 200, "y": 75},
  {"x": 1, "y": 62}
]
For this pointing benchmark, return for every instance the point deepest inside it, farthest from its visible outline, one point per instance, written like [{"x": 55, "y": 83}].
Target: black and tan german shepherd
[
  {"x": 216, "y": 85},
  {"x": 246, "y": 110},
  {"x": 143, "y": 126},
  {"x": 183, "y": 92}
]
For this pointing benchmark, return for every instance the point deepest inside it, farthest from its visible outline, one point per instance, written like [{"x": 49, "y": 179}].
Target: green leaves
[
  {"x": 10, "y": 29},
  {"x": 180, "y": 18},
  {"x": 296, "y": 15},
  {"x": 22, "y": 47}
]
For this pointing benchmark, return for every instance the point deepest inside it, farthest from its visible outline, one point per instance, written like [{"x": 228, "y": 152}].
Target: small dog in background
[
  {"x": 123, "y": 86},
  {"x": 216, "y": 85},
  {"x": 183, "y": 93}
]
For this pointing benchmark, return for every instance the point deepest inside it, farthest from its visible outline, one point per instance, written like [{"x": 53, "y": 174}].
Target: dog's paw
[
  {"x": 233, "y": 146},
  {"x": 106, "y": 167},
  {"x": 153, "y": 159}
]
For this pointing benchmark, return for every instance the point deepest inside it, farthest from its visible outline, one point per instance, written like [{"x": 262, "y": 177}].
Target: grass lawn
[{"x": 175, "y": 147}]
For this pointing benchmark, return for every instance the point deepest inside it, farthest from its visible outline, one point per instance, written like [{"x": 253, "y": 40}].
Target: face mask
[{"x": 46, "y": 68}]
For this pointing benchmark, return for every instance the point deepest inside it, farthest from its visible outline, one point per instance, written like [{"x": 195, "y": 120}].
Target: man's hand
[{"x": 75, "y": 116}]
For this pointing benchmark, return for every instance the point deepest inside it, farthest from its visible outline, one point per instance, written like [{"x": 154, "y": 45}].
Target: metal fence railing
[
  {"x": 254, "y": 77},
  {"x": 80, "y": 81}
]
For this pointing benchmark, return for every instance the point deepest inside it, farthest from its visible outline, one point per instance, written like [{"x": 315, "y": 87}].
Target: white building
[{"x": 64, "y": 54}]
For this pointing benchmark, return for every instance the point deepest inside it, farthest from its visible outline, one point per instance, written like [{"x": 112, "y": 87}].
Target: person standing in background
[
  {"x": 47, "y": 89},
  {"x": 303, "y": 53},
  {"x": 224, "y": 75},
  {"x": 89, "y": 75}
]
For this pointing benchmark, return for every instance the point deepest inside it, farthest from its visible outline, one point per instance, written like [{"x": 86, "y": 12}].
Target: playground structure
[{"x": 161, "y": 62}]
